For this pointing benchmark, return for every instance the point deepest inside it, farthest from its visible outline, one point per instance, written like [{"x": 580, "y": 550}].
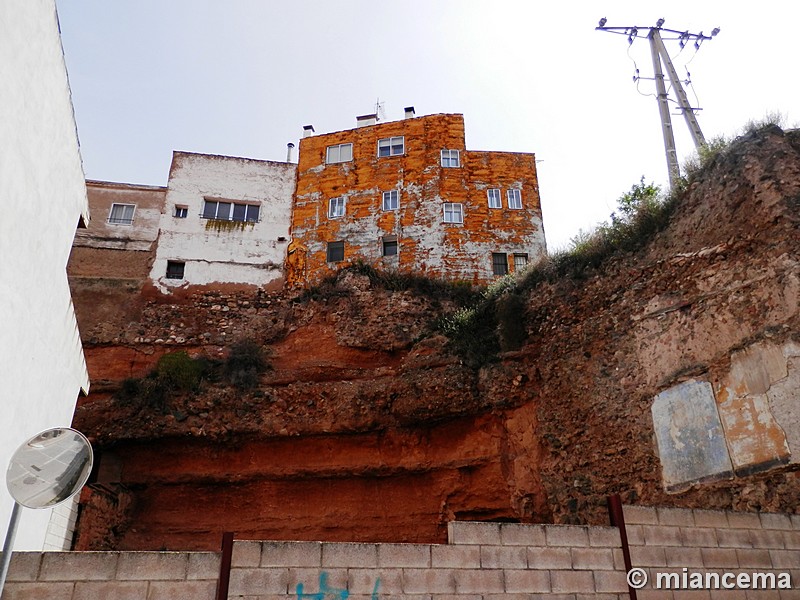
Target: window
[
  {"x": 181, "y": 212},
  {"x": 494, "y": 198},
  {"x": 389, "y": 245},
  {"x": 391, "y": 200},
  {"x": 394, "y": 146},
  {"x": 520, "y": 261},
  {"x": 335, "y": 251},
  {"x": 336, "y": 208},
  {"x": 121, "y": 214},
  {"x": 339, "y": 153},
  {"x": 230, "y": 211},
  {"x": 499, "y": 263},
  {"x": 514, "y": 199},
  {"x": 453, "y": 212},
  {"x": 175, "y": 269},
  {"x": 450, "y": 158}
]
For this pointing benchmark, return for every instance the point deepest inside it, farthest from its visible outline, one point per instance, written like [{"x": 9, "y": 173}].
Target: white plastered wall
[
  {"x": 42, "y": 198},
  {"x": 243, "y": 253}
]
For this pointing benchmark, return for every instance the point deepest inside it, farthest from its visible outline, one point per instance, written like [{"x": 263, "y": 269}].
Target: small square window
[
  {"x": 339, "y": 153},
  {"x": 121, "y": 214},
  {"x": 335, "y": 252},
  {"x": 499, "y": 263},
  {"x": 450, "y": 158},
  {"x": 394, "y": 146},
  {"x": 175, "y": 269},
  {"x": 453, "y": 212},
  {"x": 181, "y": 212},
  {"x": 520, "y": 262},
  {"x": 389, "y": 244},
  {"x": 493, "y": 195},
  {"x": 391, "y": 200},
  {"x": 514, "y": 199},
  {"x": 336, "y": 208}
]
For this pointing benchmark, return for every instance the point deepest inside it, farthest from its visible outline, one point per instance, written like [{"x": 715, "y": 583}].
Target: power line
[{"x": 663, "y": 62}]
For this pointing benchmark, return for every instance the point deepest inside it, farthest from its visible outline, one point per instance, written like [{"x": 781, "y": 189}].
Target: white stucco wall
[
  {"x": 42, "y": 197},
  {"x": 242, "y": 253}
]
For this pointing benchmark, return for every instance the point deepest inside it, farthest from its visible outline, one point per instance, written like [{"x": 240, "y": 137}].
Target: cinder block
[
  {"x": 606, "y": 537},
  {"x": 699, "y": 537},
  {"x": 203, "y": 565},
  {"x": 795, "y": 521},
  {"x": 24, "y": 566},
  {"x": 467, "y": 532},
  {"x": 752, "y": 558},
  {"x": 619, "y": 559},
  {"x": 78, "y": 566},
  {"x": 661, "y": 535},
  {"x": 724, "y": 558},
  {"x": 611, "y": 582},
  {"x": 566, "y": 535},
  {"x": 315, "y": 581},
  {"x": 111, "y": 590},
  {"x": 549, "y": 558},
  {"x": 791, "y": 540},
  {"x": 675, "y": 516},
  {"x": 462, "y": 557},
  {"x": 635, "y": 535},
  {"x": 785, "y": 559},
  {"x": 734, "y": 538},
  {"x": 248, "y": 581},
  {"x": 710, "y": 518},
  {"x": 648, "y": 556},
  {"x": 291, "y": 554},
  {"x": 683, "y": 557},
  {"x": 246, "y": 554},
  {"x": 38, "y": 591},
  {"x": 775, "y": 521},
  {"x": 572, "y": 582},
  {"x": 640, "y": 515},
  {"x": 517, "y": 534},
  {"x": 182, "y": 590},
  {"x": 527, "y": 582},
  {"x": 742, "y": 520},
  {"x": 651, "y": 594},
  {"x": 349, "y": 555},
  {"x": 767, "y": 538},
  {"x": 364, "y": 581},
  {"x": 478, "y": 581},
  {"x": 592, "y": 559},
  {"x": 404, "y": 555},
  {"x": 428, "y": 581},
  {"x": 504, "y": 557},
  {"x": 152, "y": 566}
]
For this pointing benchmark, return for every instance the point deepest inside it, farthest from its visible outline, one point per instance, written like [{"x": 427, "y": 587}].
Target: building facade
[
  {"x": 225, "y": 221},
  {"x": 43, "y": 199},
  {"x": 408, "y": 195}
]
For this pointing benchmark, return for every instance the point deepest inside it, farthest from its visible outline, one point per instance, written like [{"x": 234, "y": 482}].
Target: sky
[{"x": 242, "y": 78}]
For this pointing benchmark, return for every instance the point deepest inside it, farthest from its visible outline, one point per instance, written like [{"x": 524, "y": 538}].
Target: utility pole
[{"x": 660, "y": 56}]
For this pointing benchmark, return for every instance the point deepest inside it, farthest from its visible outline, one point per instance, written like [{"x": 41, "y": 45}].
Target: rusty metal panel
[{"x": 689, "y": 434}]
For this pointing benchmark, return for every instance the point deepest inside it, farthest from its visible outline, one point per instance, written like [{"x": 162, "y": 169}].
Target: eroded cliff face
[{"x": 368, "y": 428}]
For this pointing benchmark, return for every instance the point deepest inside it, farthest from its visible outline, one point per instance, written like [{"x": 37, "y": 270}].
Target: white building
[
  {"x": 226, "y": 221},
  {"x": 43, "y": 199}
]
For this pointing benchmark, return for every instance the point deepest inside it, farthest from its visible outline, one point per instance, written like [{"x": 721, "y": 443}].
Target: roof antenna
[{"x": 380, "y": 112}]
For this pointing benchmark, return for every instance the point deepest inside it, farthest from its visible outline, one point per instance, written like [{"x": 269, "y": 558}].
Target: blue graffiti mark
[{"x": 328, "y": 593}]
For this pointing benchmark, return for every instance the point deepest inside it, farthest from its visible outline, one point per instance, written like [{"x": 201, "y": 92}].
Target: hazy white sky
[{"x": 242, "y": 77}]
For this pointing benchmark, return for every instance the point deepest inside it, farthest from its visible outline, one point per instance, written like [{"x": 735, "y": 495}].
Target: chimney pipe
[
  {"x": 308, "y": 130},
  {"x": 365, "y": 120},
  {"x": 409, "y": 110},
  {"x": 289, "y": 148}
]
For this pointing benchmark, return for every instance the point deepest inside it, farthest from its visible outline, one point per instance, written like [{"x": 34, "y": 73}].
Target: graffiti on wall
[{"x": 326, "y": 592}]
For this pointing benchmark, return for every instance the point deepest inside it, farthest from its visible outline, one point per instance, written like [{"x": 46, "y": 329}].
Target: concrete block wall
[
  {"x": 482, "y": 561},
  {"x": 667, "y": 540},
  {"x": 112, "y": 576}
]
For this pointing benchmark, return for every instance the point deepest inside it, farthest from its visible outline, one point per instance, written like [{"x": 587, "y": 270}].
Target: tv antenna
[
  {"x": 660, "y": 56},
  {"x": 380, "y": 111}
]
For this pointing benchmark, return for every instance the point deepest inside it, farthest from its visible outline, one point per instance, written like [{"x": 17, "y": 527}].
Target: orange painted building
[{"x": 407, "y": 195}]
